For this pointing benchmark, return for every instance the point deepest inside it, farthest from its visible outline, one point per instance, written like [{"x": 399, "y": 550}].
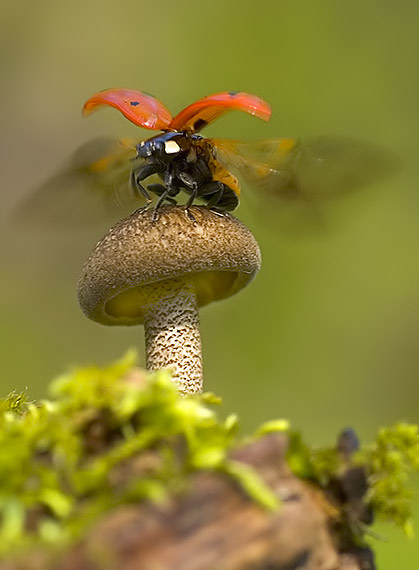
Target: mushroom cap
[{"x": 216, "y": 252}]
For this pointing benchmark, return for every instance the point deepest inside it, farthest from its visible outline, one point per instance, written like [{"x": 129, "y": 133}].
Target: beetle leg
[
  {"x": 213, "y": 192},
  {"x": 138, "y": 175},
  {"x": 159, "y": 189},
  {"x": 227, "y": 200},
  {"x": 193, "y": 196},
  {"x": 156, "y": 189},
  {"x": 168, "y": 191},
  {"x": 190, "y": 201},
  {"x": 191, "y": 186}
]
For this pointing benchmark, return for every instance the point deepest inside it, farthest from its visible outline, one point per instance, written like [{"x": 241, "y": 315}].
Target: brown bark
[{"x": 213, "y": 525}]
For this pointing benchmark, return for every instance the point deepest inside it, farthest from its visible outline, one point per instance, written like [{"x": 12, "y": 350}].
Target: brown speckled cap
[{"x": 217, "y": 252}]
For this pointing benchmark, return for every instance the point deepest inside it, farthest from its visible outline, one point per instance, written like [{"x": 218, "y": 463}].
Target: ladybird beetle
[
  {"x": 209, "y": 169},
  {"x": 183, "y": 159}
]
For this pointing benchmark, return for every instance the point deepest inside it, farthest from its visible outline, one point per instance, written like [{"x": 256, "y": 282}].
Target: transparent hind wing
[
  {"x": 315, "y": 168},
  {"x": 289, "y": 182},
  {"x": 329, "y": 167},
  {"x": 94, "y": 189},
  {"x": 265, "y": 166}
]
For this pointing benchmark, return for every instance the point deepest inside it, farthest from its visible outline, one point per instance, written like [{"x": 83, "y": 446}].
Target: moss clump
[
  {"x": 109, "y": 436},
  {"x": 388, "y": 462},
  {"x": 15, "y": 402},
  {"x": 390, "y": 459},
  {"x": 118, "y": 435}
]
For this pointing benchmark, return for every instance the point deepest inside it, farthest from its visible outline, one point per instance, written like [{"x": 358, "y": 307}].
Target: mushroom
[{"x": 160, "y": 271}]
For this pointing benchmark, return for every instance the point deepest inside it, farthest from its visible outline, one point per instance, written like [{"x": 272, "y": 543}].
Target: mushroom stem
[{"x": 172, "y": 334}]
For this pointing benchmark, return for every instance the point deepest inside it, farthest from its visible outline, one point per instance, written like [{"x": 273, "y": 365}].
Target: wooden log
[{"x": 214, "y": 525}]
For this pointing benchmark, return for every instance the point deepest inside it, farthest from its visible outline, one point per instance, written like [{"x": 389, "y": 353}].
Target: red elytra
[
  {"x": 140, "y": 108},
  {"x": 146, "y": 111}
]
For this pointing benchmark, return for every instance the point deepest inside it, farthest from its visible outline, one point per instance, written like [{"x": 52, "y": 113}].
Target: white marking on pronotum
[{"x": 171, "y": 147}]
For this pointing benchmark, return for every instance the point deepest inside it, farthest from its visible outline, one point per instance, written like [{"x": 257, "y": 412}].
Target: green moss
[
  {"x": 117, "y": 435},
  {"x": 15, "y": 402},
  {"x": 65, "y": 461},
  {"x": 390, "y": 459},
  {"x": 388, "y": 462}
]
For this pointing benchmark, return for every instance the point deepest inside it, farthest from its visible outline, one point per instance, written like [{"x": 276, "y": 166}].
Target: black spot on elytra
[
  {"x": 200, "y": 124},
  {"x": 233, "y": 93},
  {"x": 134, "y": 103}
]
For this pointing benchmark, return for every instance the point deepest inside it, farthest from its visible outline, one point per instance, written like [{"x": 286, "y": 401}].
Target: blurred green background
[{"x": 327, "y": 334}]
